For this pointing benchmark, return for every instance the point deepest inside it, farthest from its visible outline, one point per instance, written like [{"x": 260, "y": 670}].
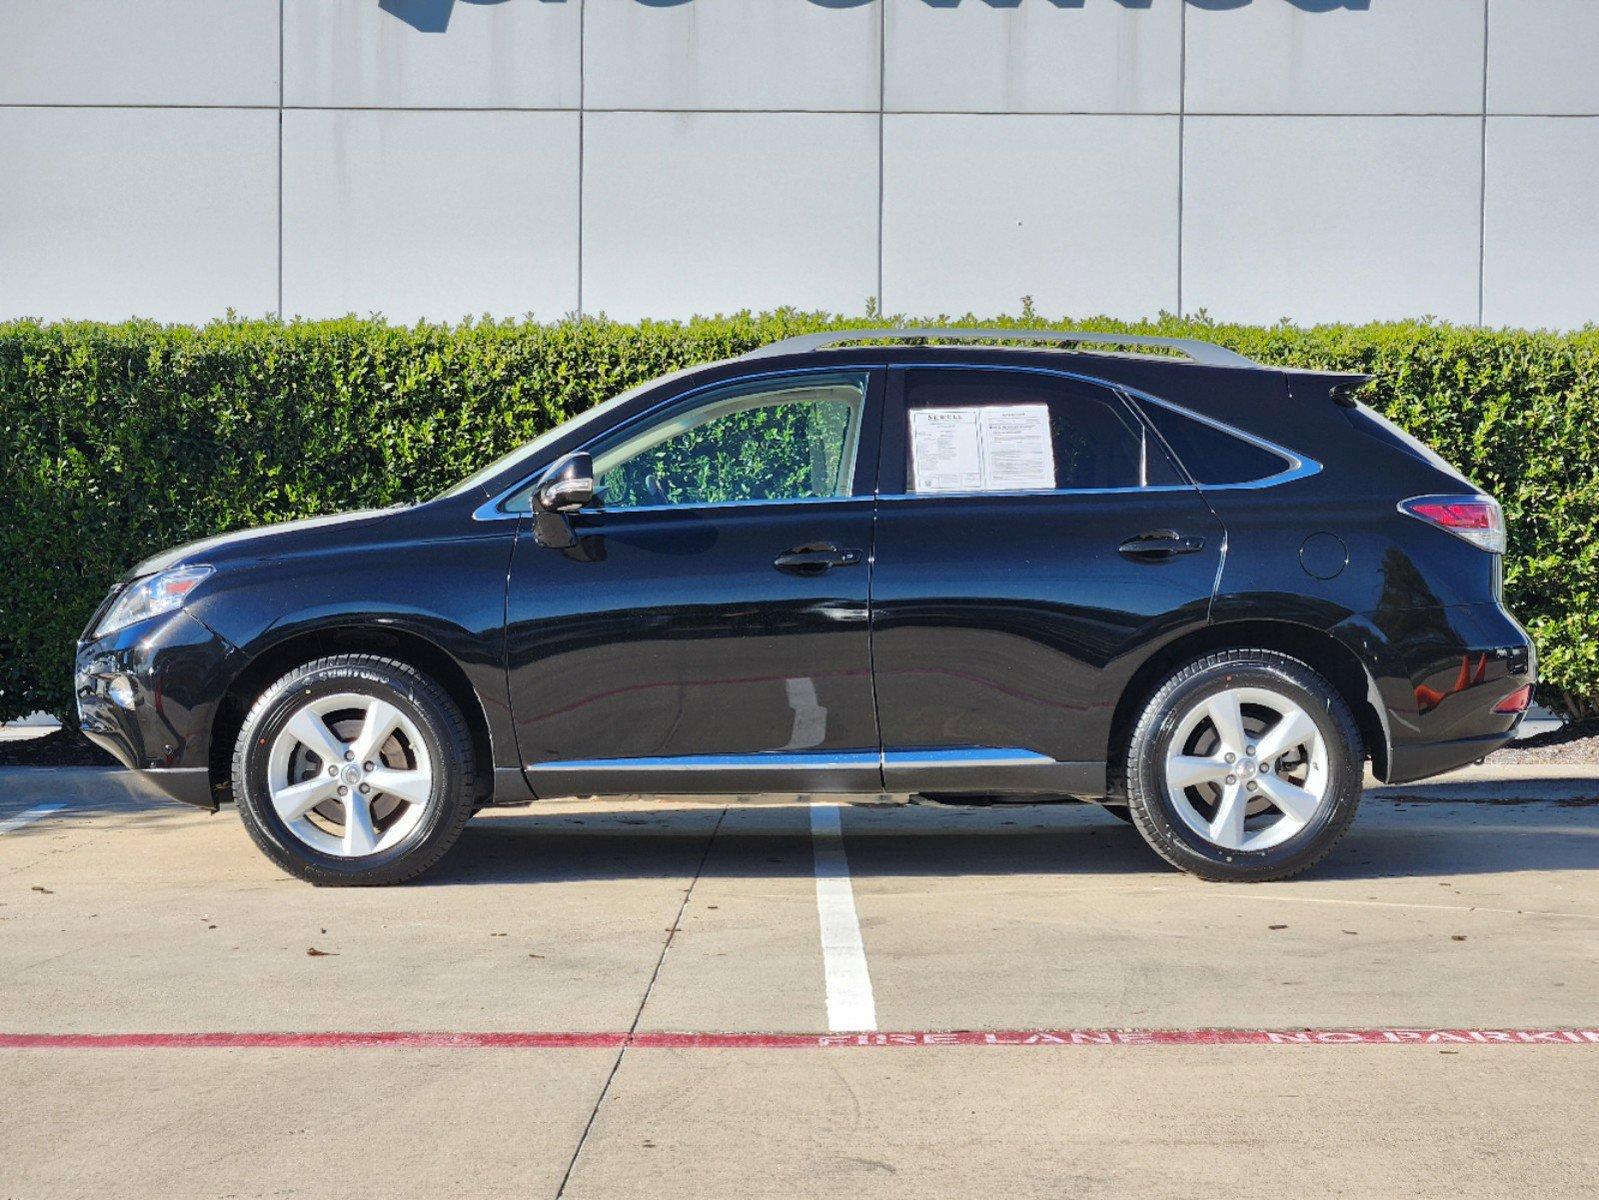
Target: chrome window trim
[
  {"x": 1017, "y": 495},
  {"x": 1298, "y": 466},
  {"x": 490, "y": 510},
  {"x": 710, "y": 505}
]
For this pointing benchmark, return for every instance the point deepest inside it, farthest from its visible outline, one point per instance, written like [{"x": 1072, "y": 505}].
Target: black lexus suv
[{"x": 1145, "y": 572}]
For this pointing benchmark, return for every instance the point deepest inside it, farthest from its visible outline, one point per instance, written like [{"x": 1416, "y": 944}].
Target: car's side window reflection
[{"x": 792, "y": 439}]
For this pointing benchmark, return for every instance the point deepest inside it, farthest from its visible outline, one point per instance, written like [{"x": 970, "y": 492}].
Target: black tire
[
  {"x": 443, "y": 730},
  {"x": 1142, "y": 771}
]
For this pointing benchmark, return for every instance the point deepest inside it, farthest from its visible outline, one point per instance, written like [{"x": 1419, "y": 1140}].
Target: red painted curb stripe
[
  {"x": 309, "y": 1041},
  {"x": 791, "y": 1041}
]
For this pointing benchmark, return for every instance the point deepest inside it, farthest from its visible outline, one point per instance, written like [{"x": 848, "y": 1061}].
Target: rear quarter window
[{"x": 1213, "y": 455}]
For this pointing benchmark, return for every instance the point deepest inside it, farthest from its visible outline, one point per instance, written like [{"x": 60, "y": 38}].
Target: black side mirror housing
[{"x": 568, "y": 485}]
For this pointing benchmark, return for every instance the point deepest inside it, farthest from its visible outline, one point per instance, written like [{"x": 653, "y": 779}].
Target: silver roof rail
[{"x": 1207, "y": 353}]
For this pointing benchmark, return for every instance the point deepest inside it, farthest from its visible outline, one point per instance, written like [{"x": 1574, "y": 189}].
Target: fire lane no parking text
[{"x": 446, "y": 1040}]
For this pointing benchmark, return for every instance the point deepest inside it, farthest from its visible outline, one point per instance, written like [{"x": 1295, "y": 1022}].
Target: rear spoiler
[{"x": 1339, "y": 387}]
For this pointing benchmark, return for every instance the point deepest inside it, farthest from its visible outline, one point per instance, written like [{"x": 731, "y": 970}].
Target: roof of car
[{"x": 1196, "y": 351}]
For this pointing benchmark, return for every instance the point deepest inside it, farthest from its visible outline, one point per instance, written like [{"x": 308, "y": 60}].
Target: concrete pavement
[{"x": 123, "y": 913}]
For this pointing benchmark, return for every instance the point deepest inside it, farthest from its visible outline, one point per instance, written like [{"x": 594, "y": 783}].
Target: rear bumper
[
  {"x": 147, "y": 694},
  {"x": 1419, "y": 761},
  {"x": 1460, "y": 662}
]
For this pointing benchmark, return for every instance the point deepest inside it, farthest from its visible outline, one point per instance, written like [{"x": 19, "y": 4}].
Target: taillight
[
  {"x": 1477, "y": 519},
  {"x": 1517, "y": 701}
]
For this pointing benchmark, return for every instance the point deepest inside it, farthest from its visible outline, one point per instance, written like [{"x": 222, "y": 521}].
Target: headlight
[{"x": 151, "y": 597}]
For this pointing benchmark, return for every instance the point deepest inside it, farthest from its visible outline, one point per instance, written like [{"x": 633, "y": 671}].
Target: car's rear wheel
[
  {"x": 1244, "y": 766},
  {"x": 354, "y": 769}
]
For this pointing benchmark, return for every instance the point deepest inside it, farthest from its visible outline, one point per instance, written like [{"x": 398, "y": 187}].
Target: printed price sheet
[{"x": 994, "y": 448}]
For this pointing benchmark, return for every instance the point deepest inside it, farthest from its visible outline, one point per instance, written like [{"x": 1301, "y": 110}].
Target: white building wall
[{"x": 1310, "y": 159}]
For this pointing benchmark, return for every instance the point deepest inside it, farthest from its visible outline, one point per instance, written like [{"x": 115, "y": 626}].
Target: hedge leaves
[{"x": 121, "y": 440}]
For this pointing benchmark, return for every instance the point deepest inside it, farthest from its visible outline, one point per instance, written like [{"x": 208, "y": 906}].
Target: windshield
[{"x": 528, "y": 452}]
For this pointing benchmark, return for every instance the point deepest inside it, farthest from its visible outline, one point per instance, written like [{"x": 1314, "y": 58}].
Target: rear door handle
[
  {"x": 814, "y": 558},
  {"x": 1158, "y": 544}
]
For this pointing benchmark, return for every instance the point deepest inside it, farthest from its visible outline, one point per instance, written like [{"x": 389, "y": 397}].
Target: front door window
[{"x": 791, "y": 439}]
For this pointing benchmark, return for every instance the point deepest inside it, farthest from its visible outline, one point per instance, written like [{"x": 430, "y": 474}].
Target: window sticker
[
  {"x": 993, "y": 448},
  {"x": 946, "y": 454},
  {"x": 1018, "y": 454}
]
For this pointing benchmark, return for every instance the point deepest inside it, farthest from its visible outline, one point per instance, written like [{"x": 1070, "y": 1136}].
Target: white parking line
[
  {"x": 850, "y": 1006},
  {"x": 28, "y": 816}
]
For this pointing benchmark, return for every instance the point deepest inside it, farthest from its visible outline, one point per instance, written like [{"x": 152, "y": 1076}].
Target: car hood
[{"x": 265, "y": 541}]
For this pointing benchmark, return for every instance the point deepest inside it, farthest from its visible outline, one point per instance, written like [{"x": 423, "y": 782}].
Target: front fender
[{"x": 448, "y": 593}]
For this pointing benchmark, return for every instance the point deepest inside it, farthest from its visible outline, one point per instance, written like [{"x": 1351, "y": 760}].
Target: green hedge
[{"x": 124, "y": 439}]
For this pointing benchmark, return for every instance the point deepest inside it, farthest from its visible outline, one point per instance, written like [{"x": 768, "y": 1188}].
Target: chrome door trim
[
  {"x": 784, "y": 760},
  {"x": 772, "y": 760},
  {"x": 1007, "y": 756}
]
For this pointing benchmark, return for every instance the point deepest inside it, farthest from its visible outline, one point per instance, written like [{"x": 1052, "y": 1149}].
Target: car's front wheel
[
  {"x": 354, "y": 769},
  {"x": 1244, "y": 766}
]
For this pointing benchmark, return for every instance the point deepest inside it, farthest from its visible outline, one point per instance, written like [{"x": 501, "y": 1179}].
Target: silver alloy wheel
[
  {"x": 1246, "y": 768},
  {"x": 350, "y": 775}
]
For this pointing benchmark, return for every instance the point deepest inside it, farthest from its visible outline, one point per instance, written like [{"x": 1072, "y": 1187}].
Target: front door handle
[
  {"x": 1159, "y": 544},
  {"x": 815, "y": 558}
]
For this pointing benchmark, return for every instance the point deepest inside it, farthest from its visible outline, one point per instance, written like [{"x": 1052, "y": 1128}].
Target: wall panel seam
[
  {"x": 1182, "y": 143},
  {"x": 582, "y": 98},
  {"x": 1482, "y": 179},
  {"x": 281, "y": 56},
  {"x": 882, "y": 106}
]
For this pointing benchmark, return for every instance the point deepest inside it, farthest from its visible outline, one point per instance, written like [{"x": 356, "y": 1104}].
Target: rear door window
[{"x": 973, "y": 431}]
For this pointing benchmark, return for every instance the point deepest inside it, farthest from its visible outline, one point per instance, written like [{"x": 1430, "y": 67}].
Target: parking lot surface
[{"x": 1417, "y": 1016}]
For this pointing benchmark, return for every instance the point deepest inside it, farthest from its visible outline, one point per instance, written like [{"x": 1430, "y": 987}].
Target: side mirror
[{"x": 568, "y": 485}]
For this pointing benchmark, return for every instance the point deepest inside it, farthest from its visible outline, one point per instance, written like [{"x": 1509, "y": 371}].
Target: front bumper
[{"x": 147, "y": 695}]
